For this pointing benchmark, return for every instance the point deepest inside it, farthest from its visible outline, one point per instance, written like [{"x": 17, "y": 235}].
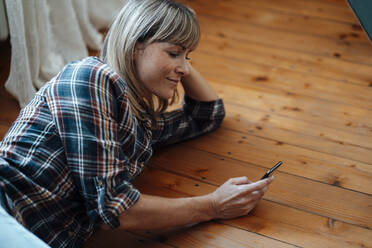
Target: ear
[
  {"x": 138, "y": 49},
  {"x": 135, "y": 52}
]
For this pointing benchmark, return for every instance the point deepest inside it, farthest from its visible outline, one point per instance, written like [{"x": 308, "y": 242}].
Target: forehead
[{"x": 168, "y": 45}]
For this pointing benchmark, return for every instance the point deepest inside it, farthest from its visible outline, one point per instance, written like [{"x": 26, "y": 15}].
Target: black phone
[{"x": 267, "y": 174}]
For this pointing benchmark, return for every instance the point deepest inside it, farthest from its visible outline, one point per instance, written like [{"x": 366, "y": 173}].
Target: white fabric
[
  {"x": 47, "y": 34},
  {"x": 4, "y": 31}
]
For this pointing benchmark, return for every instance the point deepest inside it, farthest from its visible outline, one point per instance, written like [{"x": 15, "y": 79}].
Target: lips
[{"x": 173, "y": 80}]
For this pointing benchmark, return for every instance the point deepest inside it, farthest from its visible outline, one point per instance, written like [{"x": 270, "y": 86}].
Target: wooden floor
[{"x": 296, "y": 79}]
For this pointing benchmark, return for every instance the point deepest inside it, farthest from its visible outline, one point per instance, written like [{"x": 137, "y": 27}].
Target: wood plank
[
  {"x": 7, "y": 118},
  {"x": 295, "y": 191},
  {"x": 290, "y": 83},
  {"x": 9, "y": 106},
  {"x": 269, "y": 219},
  {"x": 303, "y": 43},
  {"x": 261, "y": 59},
  {"x": 286, "y": 21},
  {"x": 119, "y": 238},
  {"x": 299, "y": 133},
  {"x": 308, "y": 148},
  {"x": 3, "y": 129},
  {"x": 331, "y": 10},
  {"x": 302, "y": 162},
  {"x": 213, "y": 234},
  {"x": 344, "y": 141},
  {"x": 316, "y": 111}
]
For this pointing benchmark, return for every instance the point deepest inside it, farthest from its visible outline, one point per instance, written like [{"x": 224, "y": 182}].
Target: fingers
[
  {"x": 239, "y": 180},
  {"x": 238, "y": 196},
  {"x": 252, "y": 198},
  {"x": 269, "y": 179},
  {"x": 245, "y": 180},
  {"x": 256, "y": 186}
]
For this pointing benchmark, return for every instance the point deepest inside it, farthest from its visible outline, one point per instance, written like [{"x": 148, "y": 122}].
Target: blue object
[
  {"x": 13, "y": 234},
  {"x": 363, "y": 11}
]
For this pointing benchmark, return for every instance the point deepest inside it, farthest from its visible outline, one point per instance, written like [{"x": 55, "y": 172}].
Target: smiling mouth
[{"x": 173, "y": 80}]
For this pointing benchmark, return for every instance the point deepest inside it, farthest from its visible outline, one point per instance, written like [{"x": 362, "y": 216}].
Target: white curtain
[
  {"x": 47, "y": 34},
  {"x": 4, "y": 31}
]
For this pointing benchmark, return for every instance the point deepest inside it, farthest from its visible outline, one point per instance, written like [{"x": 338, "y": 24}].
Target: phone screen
[{"x": 268, "y": 173}]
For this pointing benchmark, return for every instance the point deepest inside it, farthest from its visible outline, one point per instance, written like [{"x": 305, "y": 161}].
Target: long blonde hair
[{"x": 147, "y": 21}]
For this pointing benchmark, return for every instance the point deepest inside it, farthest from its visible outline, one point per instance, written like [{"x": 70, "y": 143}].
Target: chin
[{"x": 166, "y": 95}]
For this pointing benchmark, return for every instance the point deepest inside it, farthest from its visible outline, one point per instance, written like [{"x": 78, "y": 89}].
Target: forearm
[
  {"x": 197, "y": 87},
  {"x": 153, "y": 212}
]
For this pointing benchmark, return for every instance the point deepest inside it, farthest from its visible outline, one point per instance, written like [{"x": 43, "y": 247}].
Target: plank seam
[
  {"x": 286, "y": 48},
  {"x": 282, "y": 172},
  {"x": 289, "y": 69},
  {"x": 291, "y": 117},
  {"x": 298, "y": 145},
  {"x": 286, "y": 12},
  {"x": 264, "y": 199},
  {"x": 240, "y": 228}
]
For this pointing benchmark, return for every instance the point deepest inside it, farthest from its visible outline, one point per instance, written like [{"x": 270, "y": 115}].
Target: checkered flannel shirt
[{"x": 68, "y": 160}]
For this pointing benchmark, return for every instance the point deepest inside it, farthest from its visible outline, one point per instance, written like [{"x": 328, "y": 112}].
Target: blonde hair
[{"x": 147, "y": 21}]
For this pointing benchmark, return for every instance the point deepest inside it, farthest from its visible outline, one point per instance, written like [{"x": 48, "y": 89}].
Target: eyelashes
[{"x": 176, "y": 55}]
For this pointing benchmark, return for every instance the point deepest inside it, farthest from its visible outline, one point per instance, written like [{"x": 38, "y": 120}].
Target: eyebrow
[
  {"x": 182, "y": 47},
  {"x": 179, "y": 46}
]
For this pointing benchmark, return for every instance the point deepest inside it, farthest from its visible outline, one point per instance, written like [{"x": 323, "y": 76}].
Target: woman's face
[{"x": 160, "y": 66}]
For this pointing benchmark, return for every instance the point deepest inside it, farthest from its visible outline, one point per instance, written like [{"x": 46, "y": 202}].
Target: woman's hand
[
  {"x": 237, "y": 197},
  {"x": 196, "y": 87}
]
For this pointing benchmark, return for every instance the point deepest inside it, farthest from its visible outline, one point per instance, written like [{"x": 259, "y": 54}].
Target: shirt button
[{"x": 99, "y": 183}]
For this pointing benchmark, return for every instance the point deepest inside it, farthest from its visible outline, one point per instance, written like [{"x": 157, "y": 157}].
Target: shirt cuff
[
  {"x": 209, "y": 110},
  {"x": 113, "y": 202}
]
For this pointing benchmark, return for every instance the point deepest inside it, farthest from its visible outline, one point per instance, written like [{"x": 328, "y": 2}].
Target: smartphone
[{"x": 268, "y": 173}]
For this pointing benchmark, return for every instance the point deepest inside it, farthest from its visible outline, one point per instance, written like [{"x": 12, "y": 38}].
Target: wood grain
[
  {"x": 316, "y": 111},
  {"x": 120, "y": 238},
  {"x": 215, "y": 234},
  {"x": 304, "y": 43},
  {"x": 332, "y": 10},
  {"x": 299, "y": 161},
  {"x": 281, "y": 20},
  {"x": 257, "y": 60},
  {"x": 270, "y": 219},
  {"x": 297, "y": 192},
  {"x": 295, "y": 76}
]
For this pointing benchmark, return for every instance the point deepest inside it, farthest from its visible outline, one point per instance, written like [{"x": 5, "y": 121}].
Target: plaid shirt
[{"x": 68, "y": 160}]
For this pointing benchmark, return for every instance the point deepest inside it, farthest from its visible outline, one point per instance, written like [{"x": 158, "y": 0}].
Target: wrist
[
  {"x": 197, "y": 88},
  {"x": 207, "y": 210}
]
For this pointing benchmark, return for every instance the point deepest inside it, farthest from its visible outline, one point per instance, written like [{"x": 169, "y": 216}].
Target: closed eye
[{"x": 173, "y": 54}]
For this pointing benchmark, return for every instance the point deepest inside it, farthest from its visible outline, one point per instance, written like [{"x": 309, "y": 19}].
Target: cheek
[
  {"x": 163, "y": 65},
  {"x": 154, "y": 68},
  {"x": 146, "y": 70}
]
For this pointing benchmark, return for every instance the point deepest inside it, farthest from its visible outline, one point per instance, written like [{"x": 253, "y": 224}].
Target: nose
[{"x": 183, "y": 68}]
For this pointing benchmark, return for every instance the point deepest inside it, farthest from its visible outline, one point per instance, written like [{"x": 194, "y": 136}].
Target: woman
[{"x": 69, "y": 158}]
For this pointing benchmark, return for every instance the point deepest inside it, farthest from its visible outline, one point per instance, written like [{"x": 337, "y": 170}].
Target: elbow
[{"x": 216, "y": 122}]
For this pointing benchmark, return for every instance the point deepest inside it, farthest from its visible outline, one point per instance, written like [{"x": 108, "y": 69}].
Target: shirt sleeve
[
  {"x": 83, "y": 102},
  {"x": 193, "y": 119}
]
